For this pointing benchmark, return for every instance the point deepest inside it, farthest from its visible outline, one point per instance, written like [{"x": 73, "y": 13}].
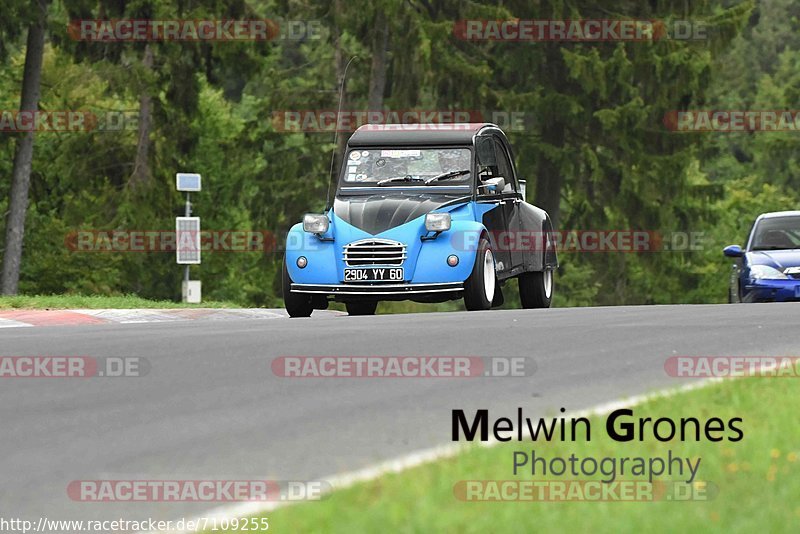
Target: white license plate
[{"x": 374, "y": 274}]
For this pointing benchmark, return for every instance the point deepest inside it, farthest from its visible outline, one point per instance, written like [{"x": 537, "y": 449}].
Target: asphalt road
[{"x": 211, "y": 408}]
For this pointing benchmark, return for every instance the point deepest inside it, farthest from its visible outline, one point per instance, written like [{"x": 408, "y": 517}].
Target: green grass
[
  {"x": 758, "y": 479},
  {"x": 44, "y": 302}
]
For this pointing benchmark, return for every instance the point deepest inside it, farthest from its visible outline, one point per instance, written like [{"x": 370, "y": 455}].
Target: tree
[{"x": 23, "y": 158}]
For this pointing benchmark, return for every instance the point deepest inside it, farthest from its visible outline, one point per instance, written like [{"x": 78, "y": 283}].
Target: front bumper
[
  {"x": 377, "y": 289},
  {"x": 771, "y": 291}
]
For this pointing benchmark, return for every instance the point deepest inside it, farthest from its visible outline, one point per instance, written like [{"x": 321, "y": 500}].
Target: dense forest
[{"x": 592, "y": 139}]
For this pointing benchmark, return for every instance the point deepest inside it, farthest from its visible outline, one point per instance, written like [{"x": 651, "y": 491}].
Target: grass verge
[{"x": 758, "y": 478}]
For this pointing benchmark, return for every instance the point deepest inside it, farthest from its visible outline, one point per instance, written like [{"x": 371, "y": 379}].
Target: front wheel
[
  {"x": 297, "y": 304},
  {"x": 480, "y": 286},
  {"x": 735, "y": 294},
  {"x": 361, "y": 307},
  {"x": 536, "y": 289}
]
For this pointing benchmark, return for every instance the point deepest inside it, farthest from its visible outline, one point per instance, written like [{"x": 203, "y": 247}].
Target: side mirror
[
  {"x": 523, "y": 188},
  {"x": 484, "y": 147},
  {"x": 494, "y": 186},
  {"x": 733, "y": 251}
]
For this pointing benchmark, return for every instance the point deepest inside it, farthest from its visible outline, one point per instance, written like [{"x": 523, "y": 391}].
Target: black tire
[
  {"x": 361, "y": 307},
  {"x": 477, "y": 285},
  {"x": 533, "y": 289},
  {"x": 297, "y": 304}
]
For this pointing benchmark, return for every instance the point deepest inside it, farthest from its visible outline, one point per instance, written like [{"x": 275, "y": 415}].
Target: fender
[{"x": 537, "y": 222}]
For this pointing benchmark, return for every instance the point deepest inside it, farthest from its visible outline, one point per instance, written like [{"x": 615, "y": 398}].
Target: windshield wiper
[
  {"x": 406, "y": 178},
  {"x": 773, "y": 247},
  {"x": 446, "y": 175}
]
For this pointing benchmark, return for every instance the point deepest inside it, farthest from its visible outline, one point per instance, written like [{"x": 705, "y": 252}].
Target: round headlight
[
  {"x": 452, "y": 260},
  {"x": 302, "y": 262}
]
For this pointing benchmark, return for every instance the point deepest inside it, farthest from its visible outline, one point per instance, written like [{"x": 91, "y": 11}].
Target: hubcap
[
  {"x": 488, "y": 275},
  {"x": 548, "y": 283}
]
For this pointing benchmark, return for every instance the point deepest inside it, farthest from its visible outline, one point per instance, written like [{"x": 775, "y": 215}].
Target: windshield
[
  {"x": 407, "y": 166},
  {"x": 777, "y": 233}
]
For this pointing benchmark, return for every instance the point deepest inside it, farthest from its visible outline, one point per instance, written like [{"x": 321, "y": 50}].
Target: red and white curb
[{"x": 22, "y": 318}]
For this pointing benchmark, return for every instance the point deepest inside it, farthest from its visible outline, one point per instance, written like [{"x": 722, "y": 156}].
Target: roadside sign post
[{"x": 187, "y": 237}]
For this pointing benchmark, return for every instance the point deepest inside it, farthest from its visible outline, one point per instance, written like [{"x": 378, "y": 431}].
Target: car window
[
  {"x": 504, "y": 165},
  {"x": 776, "y": 233},
  {"x": 374, "y": 165}
]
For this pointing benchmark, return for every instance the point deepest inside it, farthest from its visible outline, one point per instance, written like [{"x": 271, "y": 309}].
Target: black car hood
[{"x": 380, "y": 212}]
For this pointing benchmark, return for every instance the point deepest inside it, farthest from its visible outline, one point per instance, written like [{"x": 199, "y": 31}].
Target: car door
[
  {"x": 495, "y": 222},
  {"x": 494, "y": 219},
  {"x": 510, "y": 200}
]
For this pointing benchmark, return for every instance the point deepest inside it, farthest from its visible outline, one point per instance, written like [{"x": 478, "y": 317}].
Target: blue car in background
[
  {"x": 768, "y": 269},
  {"x": 427, "y": 213}
]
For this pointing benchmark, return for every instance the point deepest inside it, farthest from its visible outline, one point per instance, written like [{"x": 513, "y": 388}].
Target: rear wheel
[
  {"x": 361, "y": 307},
  {"x": 480, "y": 286},
  {"x": 536, "y": 289},
  {"x": 297, "y": 304}
]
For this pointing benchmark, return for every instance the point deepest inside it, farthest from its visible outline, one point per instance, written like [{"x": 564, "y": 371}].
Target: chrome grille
[{"x": 374, "y": 252}]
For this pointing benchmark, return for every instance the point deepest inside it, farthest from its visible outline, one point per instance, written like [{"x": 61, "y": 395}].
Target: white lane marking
[
  {"x": 415, "y": 459},
  {"x": 11, "y": 323}
]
